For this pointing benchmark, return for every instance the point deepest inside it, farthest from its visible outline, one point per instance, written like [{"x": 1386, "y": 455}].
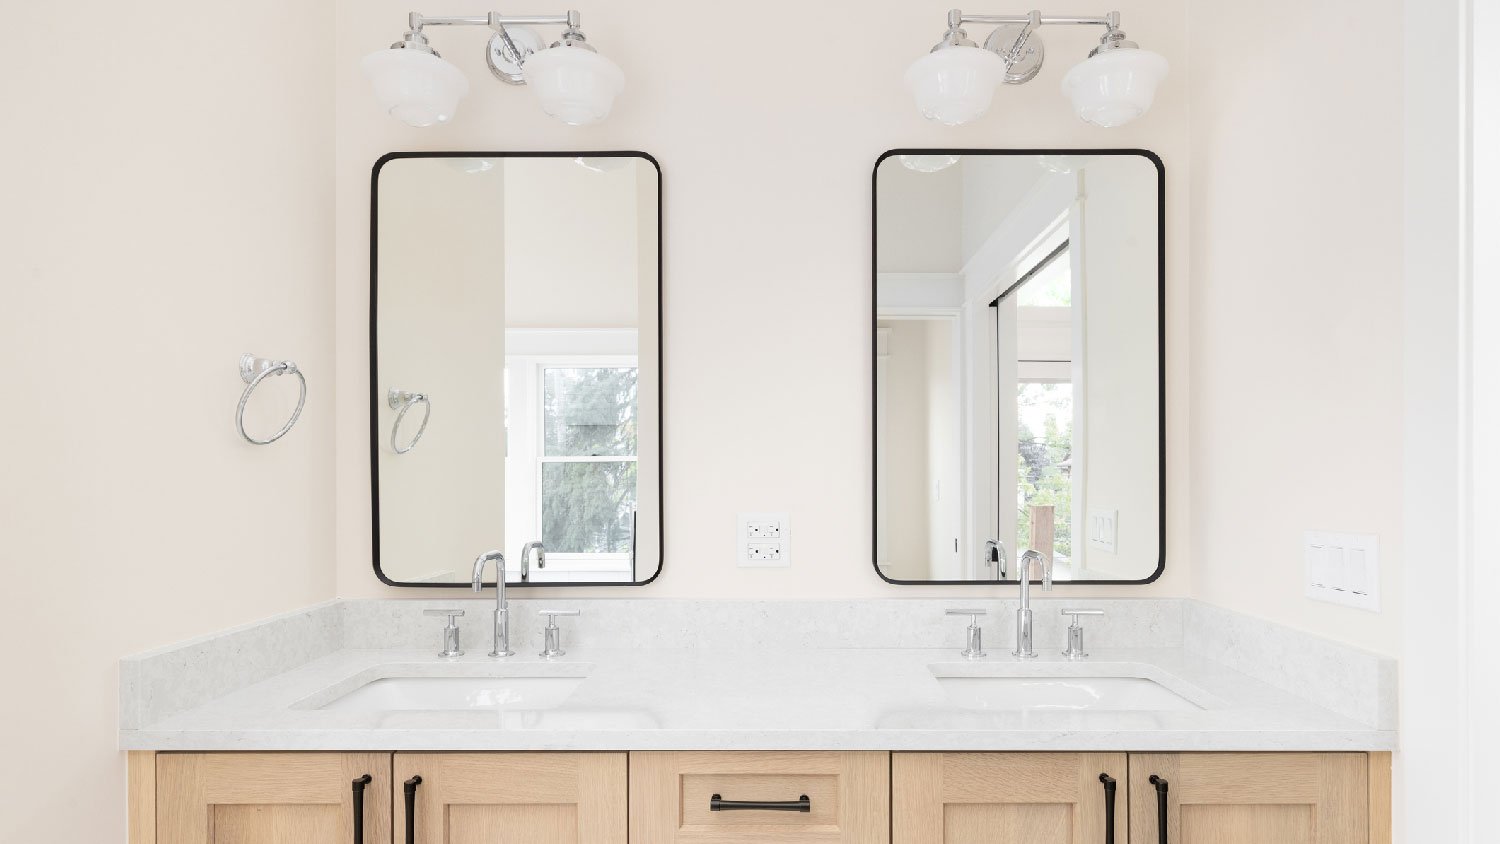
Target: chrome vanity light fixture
[
  {"x": 955, "y": 82},
  {"x": 572, "y": 81}
]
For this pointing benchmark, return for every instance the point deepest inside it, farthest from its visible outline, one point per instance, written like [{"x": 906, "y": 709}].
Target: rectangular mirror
[
  {"x": 1018, "y": 364},
  {"x": 515, "y": 366}
]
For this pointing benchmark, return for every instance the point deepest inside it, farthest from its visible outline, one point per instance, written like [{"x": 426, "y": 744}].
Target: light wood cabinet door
[
  {"x": 1007, "y": 798},
  {"x": 270, "y": 798},
  {"x": 1250, "y": 798},
  {"x": 526, "y": 798},
  {"x": 727, "y": 797}
]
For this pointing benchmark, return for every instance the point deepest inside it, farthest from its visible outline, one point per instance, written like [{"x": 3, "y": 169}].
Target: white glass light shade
[
  {"x": 1114, "y": 87},
  {"x": 416, "y": 88},
  {"x": 574, "y": 84},
  {"x": 955, "y": 84},
  {"x": 928, "y": 163}
]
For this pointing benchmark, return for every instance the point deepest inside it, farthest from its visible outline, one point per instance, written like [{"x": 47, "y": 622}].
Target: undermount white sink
[
  {"x": 394, "y": 694},
  {"x": 1069, "y": 689},
  {"x": 475, "y": 687}
]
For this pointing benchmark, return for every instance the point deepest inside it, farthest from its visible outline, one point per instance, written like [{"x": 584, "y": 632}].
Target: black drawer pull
[
  {"x": 1161, "y": 807},
  {"x": 359, "y": 808},
  {"x": 1109, "y": 808},
  {"x": 719, "y": 804},
  {"x": 410, "y": 789}
]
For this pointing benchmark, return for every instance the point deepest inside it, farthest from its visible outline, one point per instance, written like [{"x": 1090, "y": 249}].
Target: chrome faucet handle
[
  {"x": 1075, "y": 633},
  {"x": 973, "y": 647},
  {"x": 451, "y": 647},
  {"x": 552, "y": 634}
]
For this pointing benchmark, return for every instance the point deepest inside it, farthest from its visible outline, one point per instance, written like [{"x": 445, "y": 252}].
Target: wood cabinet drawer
[{"x": 848, "y": 797}]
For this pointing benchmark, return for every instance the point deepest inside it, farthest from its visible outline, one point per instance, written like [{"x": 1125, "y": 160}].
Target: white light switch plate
[
  {"x": 1343, "y": 568},
  {"x": 764, "y": 540},
  {"x": 1104, "y": 529}
]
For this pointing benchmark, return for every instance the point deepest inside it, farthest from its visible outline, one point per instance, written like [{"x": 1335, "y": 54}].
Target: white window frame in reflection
[{"x": 527, "y": 455}]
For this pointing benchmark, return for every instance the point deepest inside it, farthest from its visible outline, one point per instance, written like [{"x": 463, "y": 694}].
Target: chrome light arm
[
  {"x": 1015, "y": 39},
  {"x": 506, "y": 52}
]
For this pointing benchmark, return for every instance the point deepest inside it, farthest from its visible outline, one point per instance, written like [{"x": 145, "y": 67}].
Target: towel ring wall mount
[
  {"x": 254, "y": 370},
  {"x": 402, "y": 401}
]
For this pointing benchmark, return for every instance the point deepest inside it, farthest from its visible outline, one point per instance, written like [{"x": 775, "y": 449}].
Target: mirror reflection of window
[
  {"x": 1017, "y": 365},
  {"x": 1043, "y": 323},
  {"x": 587, "y": 469}
]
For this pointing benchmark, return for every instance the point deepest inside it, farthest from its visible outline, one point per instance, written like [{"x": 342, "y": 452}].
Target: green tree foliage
[
  {"x": 589, "y": 507},
  {"x": 1042, "y": 461}
]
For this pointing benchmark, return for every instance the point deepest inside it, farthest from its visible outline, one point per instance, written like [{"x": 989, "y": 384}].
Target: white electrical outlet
[
  {"x": 764, "y": 540},
  {"x": 1343, "y": 568}
]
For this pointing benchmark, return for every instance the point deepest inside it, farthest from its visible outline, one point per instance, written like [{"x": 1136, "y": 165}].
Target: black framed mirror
[
  {"x": 515, "y": 367},
  {"x": 1018, "y": 364}
]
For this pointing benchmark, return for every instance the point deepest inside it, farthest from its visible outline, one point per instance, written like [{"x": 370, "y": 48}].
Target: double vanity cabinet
[{"x": 760, "y": 797}]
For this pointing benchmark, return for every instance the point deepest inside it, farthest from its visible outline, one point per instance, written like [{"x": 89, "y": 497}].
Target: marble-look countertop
[{"x": 757, "y": 699}]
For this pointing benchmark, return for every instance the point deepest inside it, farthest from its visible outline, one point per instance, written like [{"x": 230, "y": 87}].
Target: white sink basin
[
  {"x": 394, "y": 694},
  {"x": 473, "y": 687},
  {"x": 1043, "y": 687}
]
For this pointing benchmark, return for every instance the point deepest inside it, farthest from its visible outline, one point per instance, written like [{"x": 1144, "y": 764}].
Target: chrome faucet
[
  {"x": 994, "y": 552},
  {"x": 502, "y": 611},
  {"x": 541, "y": 558},
  {"x": 1023, "y": 613}
]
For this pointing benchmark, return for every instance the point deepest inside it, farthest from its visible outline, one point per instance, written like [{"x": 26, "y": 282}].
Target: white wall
[
  {"x": 1118, "y": 254},
  {"x": 904, "y": 431},
  {"x": 167, "y": 209},
  {"x": 572, "y": 240},
  {"x": 1295, "y": 392},
  {"x": 767, "y": 202},
  {"x": 921, "y": 219},
  {"x": 441, "y": 332}
]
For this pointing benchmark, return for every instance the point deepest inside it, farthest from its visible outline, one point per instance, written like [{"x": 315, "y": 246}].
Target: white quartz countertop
[{"x": 760, "y": 699}]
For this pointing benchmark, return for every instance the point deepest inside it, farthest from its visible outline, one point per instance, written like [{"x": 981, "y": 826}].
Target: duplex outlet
[{"x": 763, "y": 540}]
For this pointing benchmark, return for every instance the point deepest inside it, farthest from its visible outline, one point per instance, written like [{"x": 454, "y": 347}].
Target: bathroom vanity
[
  {"x": 846, "y": 722},
  {"x": 1018, "y": 436},
  {"x": 738, "y": 797}
]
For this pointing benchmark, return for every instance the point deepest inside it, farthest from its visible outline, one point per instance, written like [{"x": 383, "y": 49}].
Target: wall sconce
[
  {"x": 573, "y": 82},
  {"x": 956, "y": 81}
]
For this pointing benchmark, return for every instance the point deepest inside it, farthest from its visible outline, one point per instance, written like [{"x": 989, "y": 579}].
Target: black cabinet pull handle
[
  {"x": 409, "y": 788},
  {"x": 1109, "y": 808},
  {"x": 359, "y": 808},
  {"x": 719, "y": 804},
  {"x": 1161, "y": 807}
]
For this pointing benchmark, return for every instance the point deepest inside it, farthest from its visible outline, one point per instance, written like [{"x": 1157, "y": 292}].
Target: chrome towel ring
[
  {"x": 401, "y": 401},
  {"x": 253, "y": 370}
]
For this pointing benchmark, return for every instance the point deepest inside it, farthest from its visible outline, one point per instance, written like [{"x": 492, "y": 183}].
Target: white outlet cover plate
[{"x": 777, "y": 523}]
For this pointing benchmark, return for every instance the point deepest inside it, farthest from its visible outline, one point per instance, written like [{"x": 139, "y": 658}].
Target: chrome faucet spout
[
  {"x": 541, "y": 558},
  {"x": 994, "y": 554},
  {"x": 502, "y": 611},
  {"x": 1024, "y": 645}
]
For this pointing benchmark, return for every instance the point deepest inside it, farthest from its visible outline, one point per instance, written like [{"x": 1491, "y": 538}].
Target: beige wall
[
  {"x": 767, "y": 202},
  {"x": 442, "y": 318},
  {"x": 1120, "y": 360},
  {"x": 167, "y": 208},
  {"x": 1296, "y": 396}
]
